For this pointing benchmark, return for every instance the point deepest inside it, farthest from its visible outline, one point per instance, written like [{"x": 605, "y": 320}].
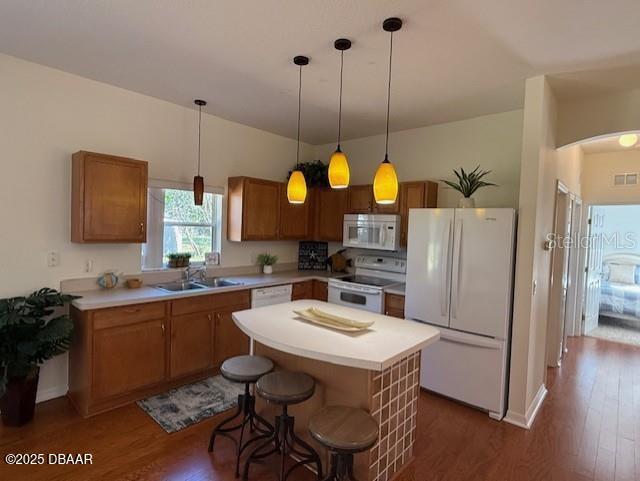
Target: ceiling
[
  {"x": 453, "y": 59},
  {"x": 607, "y": 144}
]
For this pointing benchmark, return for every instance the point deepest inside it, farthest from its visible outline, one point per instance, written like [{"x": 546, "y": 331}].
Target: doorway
[{"x": 612, "y": 286}]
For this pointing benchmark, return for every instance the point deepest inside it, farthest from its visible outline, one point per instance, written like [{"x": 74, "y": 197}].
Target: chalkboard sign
[{"x": 312, "y": 256}]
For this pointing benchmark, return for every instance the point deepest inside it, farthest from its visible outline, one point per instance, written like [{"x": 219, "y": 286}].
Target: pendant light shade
[
  {"x": 198, "y": 181},
  {"x": 297, "y": 185},
  {"x": 338, "y": 164},
  {"x": 385, "y": 182}
]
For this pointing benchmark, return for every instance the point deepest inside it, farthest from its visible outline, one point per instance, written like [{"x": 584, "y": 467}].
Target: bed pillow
[{"x": 622, "y": 273}]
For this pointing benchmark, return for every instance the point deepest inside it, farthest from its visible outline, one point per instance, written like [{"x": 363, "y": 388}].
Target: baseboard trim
[
  {"x": 51, "y": 393},
  {"x": 526, "y": 421}
]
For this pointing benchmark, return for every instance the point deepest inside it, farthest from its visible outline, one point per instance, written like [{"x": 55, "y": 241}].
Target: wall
[
  {"x": 599, "y": 170},
  {"x": 47, "y": 115},
  {"x": 584, "y": 118},
  {"x": 491, "y": 141},
  {"x": 621, "y": 228}
]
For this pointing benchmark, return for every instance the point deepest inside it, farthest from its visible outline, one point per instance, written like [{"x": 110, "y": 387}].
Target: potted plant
[
  {"x": 267, "y": 261},
  {"x": 30, "y": 334},
  {"x": 468, "y": 184},
  {"x": 316, "y": 173},
  {"x": 179, "y": 259}
]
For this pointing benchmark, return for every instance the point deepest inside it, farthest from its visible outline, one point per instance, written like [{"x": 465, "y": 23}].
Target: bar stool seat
[
  {"x": 286, "y": 387},
  {"x": 344, "y": 431},
  {"x": 243, "y": 369}
]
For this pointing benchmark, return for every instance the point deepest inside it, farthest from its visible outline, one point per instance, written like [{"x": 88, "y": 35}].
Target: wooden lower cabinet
[
  {"x": 394, "y": 305},
  {"x": 127, "y": 358},
  {"x": 191, "y": 345},
  {"x": 229, "y": 339},
  {"x": 320, "y": 290},
  {"x": 302, "y": 290},
  {"x": 122, "y": 354}
]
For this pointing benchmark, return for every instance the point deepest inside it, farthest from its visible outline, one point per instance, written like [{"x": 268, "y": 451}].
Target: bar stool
[
  {"x": 285, "y": 388},
  {"x": 247, "y": 370},
  {"x": 344, "y": 431}
]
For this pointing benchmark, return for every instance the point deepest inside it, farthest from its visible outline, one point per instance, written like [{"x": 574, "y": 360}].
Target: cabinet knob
[
  {"x": 141, "y": 227},
  {"x": 209, "y": 316},
  {"x": 162, "y": 325}
]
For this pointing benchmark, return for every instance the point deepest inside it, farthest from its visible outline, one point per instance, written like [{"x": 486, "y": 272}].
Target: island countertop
[{"x": 385, "y": 342}]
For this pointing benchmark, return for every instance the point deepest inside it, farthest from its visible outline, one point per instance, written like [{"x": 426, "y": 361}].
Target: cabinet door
[
  {"x": 115, "y": 199},
  {"x": 128, "y": 357},
  {"x": 191, "y": 343},
  {"x": 331, "y": 205},
  {"x": 302, "y": 290},
  {"x": 360, "y": 199},
  {"x": 295, "y": 219},
  {"x": 260, "y": 211},
  {"x": 389, "y": 208},
  {"x": 320, "y": 290},
  {"x": 412, "y": 195},
  {"x": 229, "y": 339},
  {"x": 394, "y": 305}
]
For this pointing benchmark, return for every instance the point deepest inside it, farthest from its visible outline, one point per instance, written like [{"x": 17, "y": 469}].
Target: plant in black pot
[{"x": 31, "y": 332}]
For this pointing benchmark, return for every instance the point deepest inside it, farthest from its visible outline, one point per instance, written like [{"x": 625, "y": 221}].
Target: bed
[{"x": 620, "y": 294}]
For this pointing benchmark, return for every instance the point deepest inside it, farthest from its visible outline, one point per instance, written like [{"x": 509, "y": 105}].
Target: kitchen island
[{"x": 377, "y": 370}]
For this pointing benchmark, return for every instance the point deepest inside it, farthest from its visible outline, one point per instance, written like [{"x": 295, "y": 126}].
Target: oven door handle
[{"x": 356, "y": 291}]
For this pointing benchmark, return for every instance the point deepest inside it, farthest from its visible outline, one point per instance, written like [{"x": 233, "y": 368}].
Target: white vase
[
  {"x": 267, "y": 269},
  {"x": 467, "y": 203}
]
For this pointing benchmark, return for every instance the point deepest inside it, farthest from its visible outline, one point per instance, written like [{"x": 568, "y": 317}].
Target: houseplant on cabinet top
[
  {"x": 30, "y": 333},
  {"x": 468, "y": 184}
]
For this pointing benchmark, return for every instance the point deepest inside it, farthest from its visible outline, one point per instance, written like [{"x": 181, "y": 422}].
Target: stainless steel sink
[
  {"x": 179, "y": 286},
  {"x": 218, "y": 282}
]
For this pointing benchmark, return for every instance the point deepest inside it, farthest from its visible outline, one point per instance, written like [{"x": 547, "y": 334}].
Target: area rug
[
  {"x": 616, "y": 333},
  {"x": 181, "y": 407}
]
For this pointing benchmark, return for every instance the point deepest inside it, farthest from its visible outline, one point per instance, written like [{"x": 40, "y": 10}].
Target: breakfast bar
[{"x": 376, "y": 369}]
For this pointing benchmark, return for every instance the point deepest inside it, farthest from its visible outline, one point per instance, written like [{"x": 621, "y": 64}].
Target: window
[{"x": 176, "y": 224}]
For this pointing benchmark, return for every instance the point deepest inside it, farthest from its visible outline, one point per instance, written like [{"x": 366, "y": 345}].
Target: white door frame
[{"x": 573, "y": 317}]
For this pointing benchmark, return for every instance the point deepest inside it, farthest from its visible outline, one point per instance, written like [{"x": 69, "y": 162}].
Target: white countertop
[
  {"x": 102, "y": 298},
  {"x": 387, "y": 341}
]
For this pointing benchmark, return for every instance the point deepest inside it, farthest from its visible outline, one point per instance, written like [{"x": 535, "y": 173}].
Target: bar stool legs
[
  {"x": 341, "y": 467},
  {"x": 256, "y": 423},
  {"x": 284, "y": 441}
]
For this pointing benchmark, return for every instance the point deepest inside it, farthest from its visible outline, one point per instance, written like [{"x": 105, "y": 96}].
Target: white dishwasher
[{"x": 267, "y": 296}]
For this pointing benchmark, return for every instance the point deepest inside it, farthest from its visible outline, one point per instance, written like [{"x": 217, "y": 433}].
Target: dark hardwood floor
[{"x": 588, "y": 429}]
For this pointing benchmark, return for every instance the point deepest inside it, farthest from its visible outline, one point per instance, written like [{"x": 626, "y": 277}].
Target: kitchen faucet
[{"x": 188, "y": 274}]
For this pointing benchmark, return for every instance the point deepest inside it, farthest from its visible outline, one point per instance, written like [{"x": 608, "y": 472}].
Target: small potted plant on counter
[
  {"x": 30, "y": 333},
  {"x": 468, "y": 184},
  {"x": 267, "y": 262},
  {"x": 179, "y": 259}
]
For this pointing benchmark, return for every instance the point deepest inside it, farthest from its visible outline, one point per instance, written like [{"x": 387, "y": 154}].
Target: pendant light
[
  {"x": 339, "y": 165},
  {"x": 297, "y": 186},
  {"x": 198, "y": 181},
  {"x": 385, "y": 182}
]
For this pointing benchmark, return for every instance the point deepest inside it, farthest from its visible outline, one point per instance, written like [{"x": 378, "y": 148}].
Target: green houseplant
[
  {"x": 30, "y": 333},
  {"x": 267, "y": 261},
  {"x": 179, "y": 259},
  {"x": 316, "y": 173},
  {"x": 468, "y": 183}
]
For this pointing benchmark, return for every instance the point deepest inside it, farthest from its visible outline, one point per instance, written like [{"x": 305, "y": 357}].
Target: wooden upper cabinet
[
  {"x": 108, "y": 199},
  {"x": 253, "y": 209},
  {"x": 360, "y": 199},
  {"x": 415, "y": 195},
  {"x": 295, "y": 219},
  {"x": 331, "y": 205}
]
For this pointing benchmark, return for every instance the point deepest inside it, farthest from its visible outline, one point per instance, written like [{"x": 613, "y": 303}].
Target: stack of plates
[{"x": 322, "y": 318}]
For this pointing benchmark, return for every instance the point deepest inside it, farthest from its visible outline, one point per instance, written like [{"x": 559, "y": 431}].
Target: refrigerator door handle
[
  {"x": 475, "y": 343},
  {"x": 455, "y": 276},
  {"x": 445, "y": 285}
]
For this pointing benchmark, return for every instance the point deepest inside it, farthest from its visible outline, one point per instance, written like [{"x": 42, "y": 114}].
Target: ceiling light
[
  {"x": 385, "y": 182},
  {"x": 297, "y": 186},
  {"x": 198, "y": 181},
  {"x": 628, "y": 140},
  {"x": 339, "y": 165}
]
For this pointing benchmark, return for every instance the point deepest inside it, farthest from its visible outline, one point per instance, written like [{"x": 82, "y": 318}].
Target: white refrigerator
[{"x": 460, "y": 279}]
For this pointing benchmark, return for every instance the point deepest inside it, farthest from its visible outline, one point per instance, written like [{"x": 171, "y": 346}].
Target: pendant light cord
[
  {"x": 340, "y": 101},
  {"x": 386, "y": 145},
  {"x": 299, "y": 108},
  {"x": 199, "y": 128}
]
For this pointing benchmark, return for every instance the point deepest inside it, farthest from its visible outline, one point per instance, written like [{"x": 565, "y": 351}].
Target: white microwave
[{"x": 371, "y": 231}]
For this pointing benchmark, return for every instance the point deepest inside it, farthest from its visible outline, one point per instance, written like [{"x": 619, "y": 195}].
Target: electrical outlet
[
  {"x": 88, "y": 265},
  {"x": 53, "y": 259}
]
